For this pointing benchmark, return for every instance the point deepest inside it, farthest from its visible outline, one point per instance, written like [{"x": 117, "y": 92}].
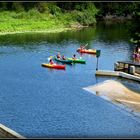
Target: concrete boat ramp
[{"x": 115, "y": 92}]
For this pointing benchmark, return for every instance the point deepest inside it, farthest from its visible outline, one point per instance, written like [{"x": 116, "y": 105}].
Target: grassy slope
[{"x": 33, "y": 21}]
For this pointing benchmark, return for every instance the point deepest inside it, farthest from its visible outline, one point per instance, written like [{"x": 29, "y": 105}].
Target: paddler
[
  {"x": 51, "y": 62},
  {"x": 58, "y": 56},
  {"x": 74, "y": 56},
  {"x": 63, "y": 57}
]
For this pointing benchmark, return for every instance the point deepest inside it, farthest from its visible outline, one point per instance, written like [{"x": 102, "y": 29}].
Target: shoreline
[
  {"x": 64, "y": 29},
  {"x": 74, "y": 27},
  {"x": 58, "y": 30},
  {"x": 39, "y": 31}
]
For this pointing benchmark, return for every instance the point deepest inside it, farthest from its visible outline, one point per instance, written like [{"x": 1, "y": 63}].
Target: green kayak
[
  {"x": 67, "y": 61},
  {"x": 77, "y": 60}
]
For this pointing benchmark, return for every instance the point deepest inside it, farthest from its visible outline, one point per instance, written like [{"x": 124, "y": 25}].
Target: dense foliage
[
  {"x": 117, "y": 8},
  {"x": 135, "y": 30},
  {"x": 22, "y": 16}
]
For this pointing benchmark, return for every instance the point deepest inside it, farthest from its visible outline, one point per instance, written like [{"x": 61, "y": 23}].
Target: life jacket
[
  {"x": 51, "y": 62},
  {"x": 63, "y": 57}
]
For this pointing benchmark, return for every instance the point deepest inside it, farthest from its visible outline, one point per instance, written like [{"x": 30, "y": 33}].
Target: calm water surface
[{"x": 41, "y": 102}]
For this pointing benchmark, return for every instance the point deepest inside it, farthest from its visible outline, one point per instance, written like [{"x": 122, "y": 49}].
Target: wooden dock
[
  {"x": 125, "y": 66},
  {"x": 117, "y": 73}
]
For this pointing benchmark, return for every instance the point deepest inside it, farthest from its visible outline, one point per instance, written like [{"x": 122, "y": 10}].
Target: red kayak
[
  {"x": 89, "y": 51},
  {"x": 54, "y": 66}
]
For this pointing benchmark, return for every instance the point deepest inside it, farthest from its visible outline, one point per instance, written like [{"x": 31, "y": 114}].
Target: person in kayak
[
  {"x": 51, "y": 62},
  {"x": 63, "y": 57},
  {"x": 74, "y": 56},
  {"x": 58, "y": 56},
  {"x": 135, "y": 56},
  {"x": 138, "y": 57}
]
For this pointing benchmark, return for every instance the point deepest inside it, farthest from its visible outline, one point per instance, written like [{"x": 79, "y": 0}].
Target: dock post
[
  {"x": 97, "y": 64},
  {"x": 132, "y": 70},
  {"x": 98, "y": 52},
  {"x": 116, "y": 65}
]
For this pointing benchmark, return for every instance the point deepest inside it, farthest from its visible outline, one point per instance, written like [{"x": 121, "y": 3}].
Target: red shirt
[
  {"x": 58, "y": 56},
  {"x": 51, "y": 62}
]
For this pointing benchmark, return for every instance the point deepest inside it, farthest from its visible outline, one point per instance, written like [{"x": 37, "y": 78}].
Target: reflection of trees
[
  {"x": 114, "y": 32},
  {"x": 82, "y": 36},
  {"x": 107, "y": 33}
]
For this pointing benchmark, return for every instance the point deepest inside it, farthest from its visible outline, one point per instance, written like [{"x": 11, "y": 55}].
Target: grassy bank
[
  {"x": 35, "y": 21},
  {"x": 11, "y": 22}
]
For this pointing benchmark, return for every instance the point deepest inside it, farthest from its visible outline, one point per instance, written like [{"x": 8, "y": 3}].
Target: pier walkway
[{"x": 118, "y": 73}]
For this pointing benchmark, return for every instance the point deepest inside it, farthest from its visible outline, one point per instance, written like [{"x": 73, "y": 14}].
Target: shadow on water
[
  {"x": 82, "y": 36},
  {"x": 114, "y": 31}
]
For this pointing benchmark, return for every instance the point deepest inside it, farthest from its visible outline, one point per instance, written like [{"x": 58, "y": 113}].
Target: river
[{"x": 41, "y": 102}]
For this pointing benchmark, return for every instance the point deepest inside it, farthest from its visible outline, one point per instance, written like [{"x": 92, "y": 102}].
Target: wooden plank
[{"x": 130, "y": 63}]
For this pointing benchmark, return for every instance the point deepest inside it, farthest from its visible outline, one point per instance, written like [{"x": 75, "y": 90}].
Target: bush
[
  {"x": 86, "y": 16},
  {"x": 42, "y": 7},
  {"x": 54, "y": 10},
  {"x": 17, "y": 6}
]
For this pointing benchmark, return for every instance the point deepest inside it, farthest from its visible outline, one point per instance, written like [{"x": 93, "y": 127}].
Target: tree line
[{"x": 117, "y": 8}]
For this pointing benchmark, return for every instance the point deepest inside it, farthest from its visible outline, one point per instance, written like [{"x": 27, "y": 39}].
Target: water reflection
[
  {"x": 82, "y": 36},
  {"x": 102, "y": 35}
]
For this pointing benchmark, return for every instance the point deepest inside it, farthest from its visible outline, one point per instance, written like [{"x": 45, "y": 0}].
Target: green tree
[{"x": 17, "y": 6}]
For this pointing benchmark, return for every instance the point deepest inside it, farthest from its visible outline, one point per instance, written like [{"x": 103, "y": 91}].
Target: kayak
[
  {"x": 77, "y": 60},
  {"x": 89, "y": 51},
  {"x": 54, "y": 66},
  {"x": 63, "y": 61}
]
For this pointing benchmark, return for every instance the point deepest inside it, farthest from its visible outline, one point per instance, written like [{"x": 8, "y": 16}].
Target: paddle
[
  {"x": 86, "y": 44},
  {"x": 49, "y": 58}
]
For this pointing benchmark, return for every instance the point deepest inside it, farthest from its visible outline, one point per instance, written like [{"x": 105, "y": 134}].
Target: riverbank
[
  {"x": 117, "y": 93},
  {"x": 117, "y": 18},
  {"x": 33, "y": 21},
  {"x": 111, "y": 19},
  {"x": 20, "y": 28},
  {"x": 58, "y": 30},
  {"x": 51, "y": 18},
  {"x": 39, "y": 31}
]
